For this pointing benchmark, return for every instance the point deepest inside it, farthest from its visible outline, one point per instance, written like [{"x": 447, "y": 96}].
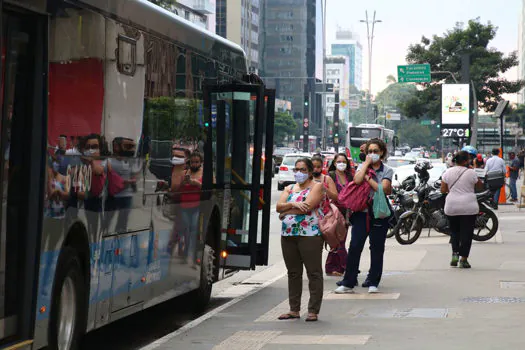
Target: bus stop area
[{"x": 423, "y": 303}]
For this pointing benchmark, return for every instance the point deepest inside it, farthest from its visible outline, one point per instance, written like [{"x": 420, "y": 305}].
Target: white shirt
[
  {"x": 495, "y": 163},
  {"x": 461, "y": 199}
]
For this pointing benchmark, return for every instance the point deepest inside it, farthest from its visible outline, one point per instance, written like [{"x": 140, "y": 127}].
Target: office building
[
  {"x": 288, "y": 60},
  {"x": 347, "y": 44},
  {"x": 337, "y": 71},
  {"x": 238, "y": 21},
  {"x": 199, "y": 12}
]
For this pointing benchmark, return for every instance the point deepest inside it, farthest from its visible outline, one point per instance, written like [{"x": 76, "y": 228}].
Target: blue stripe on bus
[{"x": 141, "y": 255}]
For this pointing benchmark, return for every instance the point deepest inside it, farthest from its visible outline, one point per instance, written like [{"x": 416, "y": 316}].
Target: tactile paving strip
[
  {"x": 282, "y": 308},
  {"x": 247, "y": 340},
  {"x": 406, "y": 313},
  {"x": 362, "y": 296},
  {"x": 512, "y": 285},
  {"x": 494, "y": 300},
  {"x": 327, "y": 339}
]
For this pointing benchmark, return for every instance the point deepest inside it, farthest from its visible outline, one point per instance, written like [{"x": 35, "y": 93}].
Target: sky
[{"x": 404, "y": 22}]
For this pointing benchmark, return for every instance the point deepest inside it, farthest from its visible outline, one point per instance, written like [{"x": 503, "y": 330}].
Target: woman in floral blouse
[{"x": 301, "y": 240}]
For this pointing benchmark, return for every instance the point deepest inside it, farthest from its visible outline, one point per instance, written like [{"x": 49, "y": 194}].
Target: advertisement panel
[{"x": 455, "y": 104}]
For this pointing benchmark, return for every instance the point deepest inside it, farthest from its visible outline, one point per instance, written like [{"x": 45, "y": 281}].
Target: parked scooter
[{"x": 428, "y": 212}]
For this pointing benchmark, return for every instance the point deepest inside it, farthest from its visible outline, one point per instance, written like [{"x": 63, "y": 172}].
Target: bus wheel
[
  {"x": 68, "y": 311},
  {"x": 201, "y": 296}
]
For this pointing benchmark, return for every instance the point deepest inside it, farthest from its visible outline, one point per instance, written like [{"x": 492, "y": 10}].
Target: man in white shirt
[{"x": 495, "y": 164}]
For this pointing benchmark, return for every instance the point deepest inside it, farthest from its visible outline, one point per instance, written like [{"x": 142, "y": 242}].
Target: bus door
[
  {"x": 237, "y": 119},
  {"x": 22, "y": 169}
]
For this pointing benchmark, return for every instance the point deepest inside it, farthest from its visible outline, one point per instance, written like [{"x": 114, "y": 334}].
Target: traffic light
[{"x": 306, "y": 100}]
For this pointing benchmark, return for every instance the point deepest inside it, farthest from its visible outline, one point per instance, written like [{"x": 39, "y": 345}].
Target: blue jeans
[
  {"x": 513, "y": 190},
  {"x": 496, "y": 195},
  {"x": 377, "y": 236},
  {"x": 190, "y": 219}
]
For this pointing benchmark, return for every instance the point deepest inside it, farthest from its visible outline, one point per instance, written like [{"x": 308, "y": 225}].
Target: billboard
[{"x": 455, "y": 104}]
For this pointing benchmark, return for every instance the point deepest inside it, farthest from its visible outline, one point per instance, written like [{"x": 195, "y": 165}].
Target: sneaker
[
  {"x": 463, "y": 264},
  {"x": 366, "y": 283},
  {"x": 373, "y": 290},
  {"x": 340, "y": 283},
  {"x": 455, "y": 259},
  {"x": 343, "y": 290}
]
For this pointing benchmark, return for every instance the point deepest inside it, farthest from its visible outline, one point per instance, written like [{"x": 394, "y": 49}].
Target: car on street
[
  {"x": 286, "y": 175},
  {"x": 396, "y": 162},
  {"x": 404, "y": 171},
  {"x": 278, "y": 154}
]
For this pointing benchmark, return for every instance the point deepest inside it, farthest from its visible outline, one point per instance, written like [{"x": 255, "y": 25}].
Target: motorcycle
[
  {"x": 428, "y": 212},
  {"x": 401, "y": 201}
]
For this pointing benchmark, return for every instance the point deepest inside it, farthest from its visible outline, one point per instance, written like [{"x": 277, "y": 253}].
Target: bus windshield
[{"x": 365, "y": 133}]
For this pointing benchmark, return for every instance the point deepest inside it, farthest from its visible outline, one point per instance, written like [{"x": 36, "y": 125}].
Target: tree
[
  {"x": 390, "y": 79},
  {"x": 284, "y": 125},
  {"x": 517, "y": 115},
  {"x": 444, "y": 53},
  {"x": 394, "y": 95},
  {"x": 415, "y": 134}
]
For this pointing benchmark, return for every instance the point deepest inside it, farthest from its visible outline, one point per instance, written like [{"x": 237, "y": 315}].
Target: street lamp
[
  {"x": 370, "y": 37},
  {"x": 323, "y": 116}
]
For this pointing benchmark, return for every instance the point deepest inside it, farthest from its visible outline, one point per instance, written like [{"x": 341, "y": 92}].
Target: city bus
[
  {"x": 357, "y": 135},
  {"x": 133, "y": 147}
]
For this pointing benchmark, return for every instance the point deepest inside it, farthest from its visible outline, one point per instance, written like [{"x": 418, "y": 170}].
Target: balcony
[{"x": 205, "y": 7}]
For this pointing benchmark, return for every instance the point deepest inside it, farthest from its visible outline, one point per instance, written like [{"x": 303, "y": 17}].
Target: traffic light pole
[
  {"x": 306, "y": 123},
  {"x": 335, "y": 130}
]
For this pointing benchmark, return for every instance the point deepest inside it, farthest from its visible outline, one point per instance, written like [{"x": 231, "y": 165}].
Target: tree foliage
[
  {"x": 284, "y": 125},
  {"x": 517, "y": 115},
  {"x": 444, "y": 53},
  {"x": 415, "y": 134},
  {"x": 394, "y": 95}
]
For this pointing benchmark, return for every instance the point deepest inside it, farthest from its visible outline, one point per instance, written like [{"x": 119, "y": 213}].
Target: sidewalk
[{"x": 423, "y": 304}]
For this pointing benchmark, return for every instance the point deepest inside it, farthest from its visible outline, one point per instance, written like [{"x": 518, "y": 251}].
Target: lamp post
[
  {"x": 323, "y": 103},
  {"x": 370, "y": 36}
]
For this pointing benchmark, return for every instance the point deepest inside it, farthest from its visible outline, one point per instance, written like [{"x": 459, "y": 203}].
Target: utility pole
[
  {"x": 370, "y": 46},
  {"x": 323, "y": 109},
  {"x": 335, "y": 131}
]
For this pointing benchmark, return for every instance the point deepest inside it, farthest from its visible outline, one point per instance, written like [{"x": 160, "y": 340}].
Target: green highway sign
[
  {"x": 426, "y": 122},
  {"x": 413, "y": 73}
]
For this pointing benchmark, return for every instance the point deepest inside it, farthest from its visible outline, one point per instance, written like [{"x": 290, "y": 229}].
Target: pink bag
[
  {"x": 115, "y": 183},
  {"x": 356, "y": 197},
  {"x": 333, "y": 227}
]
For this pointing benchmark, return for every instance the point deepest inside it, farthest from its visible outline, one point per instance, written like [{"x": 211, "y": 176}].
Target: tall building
[
  {"x": 337, "y": 71},
  {"x": 521, "y": 51},
  {"x": 238, "y": 21},
  {"x": 347, "y": 44},
  {"x": 199, "y": 12},
  {"x": 288, "y": 42}
]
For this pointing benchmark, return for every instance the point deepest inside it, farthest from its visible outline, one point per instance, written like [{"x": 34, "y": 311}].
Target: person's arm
[
  {"x": 282, "y": 205},
  {"x": 444, "y": 187},
  {"x": 361, "y": 173},
  {"x": 331, "y": 191},
  {"x": 314, "y": 198}
]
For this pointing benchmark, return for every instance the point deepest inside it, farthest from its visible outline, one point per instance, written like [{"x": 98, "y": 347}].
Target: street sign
[
  {"x": 354, "y": 104},
  {"x": 393, "y": 116},
  {"x": 343, "y": 103},
  {"x": 425, "y": 122},
  {"x": 414, "y": 73}
]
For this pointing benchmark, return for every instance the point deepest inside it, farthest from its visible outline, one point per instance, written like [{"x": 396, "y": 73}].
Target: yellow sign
[
  {"x": 388, "y": 116},
  {"x": 343, "y": 103}
]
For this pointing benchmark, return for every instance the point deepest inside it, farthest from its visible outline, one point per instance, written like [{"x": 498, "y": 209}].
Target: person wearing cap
[{"x": 478, "y": 162}]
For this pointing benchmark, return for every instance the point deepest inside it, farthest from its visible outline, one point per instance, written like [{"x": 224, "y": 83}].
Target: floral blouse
[{"x": 301, "y": 224}]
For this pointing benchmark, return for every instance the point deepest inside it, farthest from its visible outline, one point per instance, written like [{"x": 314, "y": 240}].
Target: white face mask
[
  {"x": 375, "y": 157},
  {"x": 89, "y": 152},
  {"x": 178, "y": 161},
  {"x": 341, "y": 166}
]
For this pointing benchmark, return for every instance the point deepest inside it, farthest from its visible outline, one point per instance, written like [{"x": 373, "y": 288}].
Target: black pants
[
  {"x": 462, "y": 230},
  {"x": 377, "y": 237}
]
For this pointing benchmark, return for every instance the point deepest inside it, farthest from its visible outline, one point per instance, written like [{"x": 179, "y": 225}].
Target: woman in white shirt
[{"x": 461, "y": 207}]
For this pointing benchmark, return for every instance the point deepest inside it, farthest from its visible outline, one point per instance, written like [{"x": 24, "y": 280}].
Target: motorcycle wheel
[
  {"x": 403, "y": 230},
  {"x": 486, "y": 225}
]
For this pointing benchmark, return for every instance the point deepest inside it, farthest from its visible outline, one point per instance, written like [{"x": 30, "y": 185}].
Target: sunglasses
[{"x": 376, "y": 151}]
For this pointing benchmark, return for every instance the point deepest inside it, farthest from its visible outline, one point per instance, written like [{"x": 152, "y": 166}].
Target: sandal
[
  {"x": 288, "y": 316},
  {"x": 311, "y": 318}
]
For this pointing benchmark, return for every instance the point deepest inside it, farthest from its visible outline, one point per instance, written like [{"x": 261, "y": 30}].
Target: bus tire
[
  {"x": 200, "y": 297},
  {"x": 68, "y": 315}
]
